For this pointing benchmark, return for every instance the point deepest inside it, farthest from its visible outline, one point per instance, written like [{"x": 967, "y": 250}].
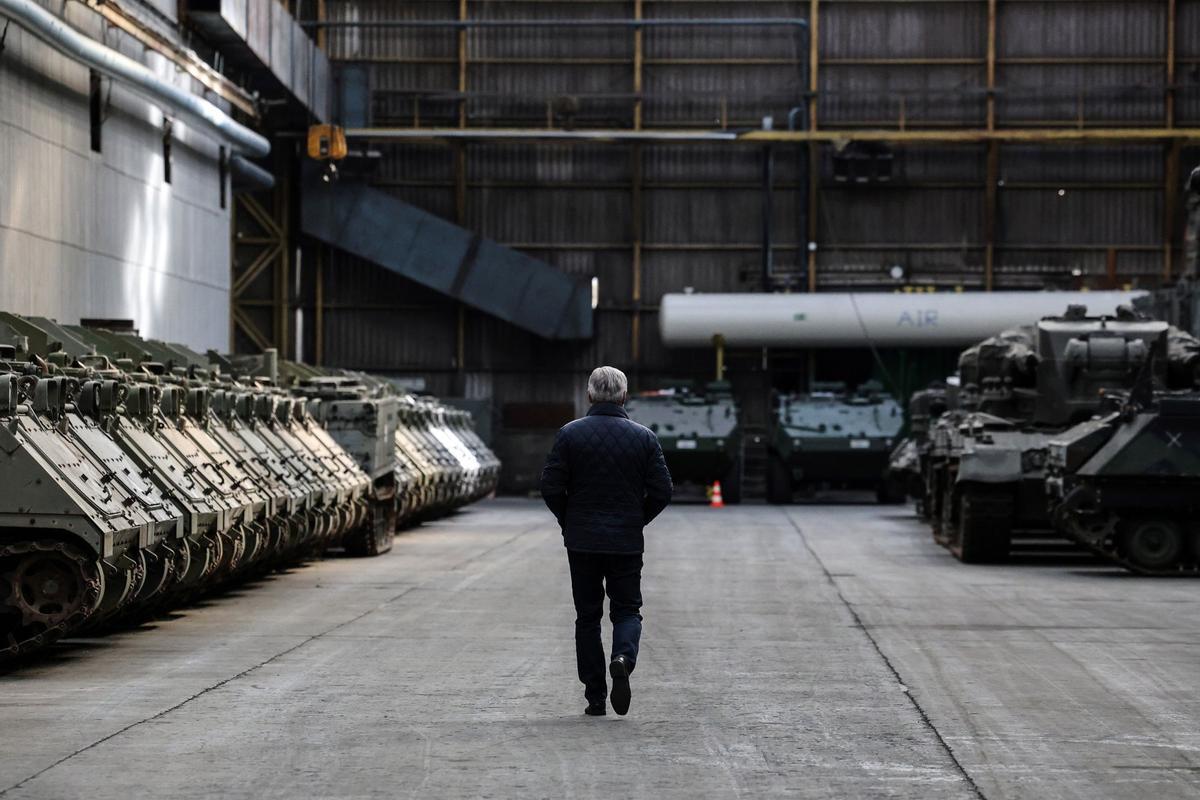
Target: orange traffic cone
[{"x": 717, "y": 501}]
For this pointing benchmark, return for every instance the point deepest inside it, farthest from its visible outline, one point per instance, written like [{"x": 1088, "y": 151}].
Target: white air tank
[{"x": 947, "y": 319}]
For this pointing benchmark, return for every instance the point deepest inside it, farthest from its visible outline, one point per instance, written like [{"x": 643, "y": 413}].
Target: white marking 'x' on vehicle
[{"x": 1174, "y": 439}]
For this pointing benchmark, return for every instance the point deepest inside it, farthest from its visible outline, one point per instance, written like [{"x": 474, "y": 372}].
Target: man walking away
[{"x": 605, "y": 479}]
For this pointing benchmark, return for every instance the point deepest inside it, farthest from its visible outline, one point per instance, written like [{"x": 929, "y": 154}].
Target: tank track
[
  {"x": 983, "y": 529},
  {"x": 46, "y": 609},
  {"x": 1112, "y": 556},
  {"x": 1098, "y": 534}
]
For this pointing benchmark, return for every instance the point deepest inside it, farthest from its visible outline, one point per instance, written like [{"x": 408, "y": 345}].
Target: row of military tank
[
  {"x": 829, "y": 437},
  {"x": 1078, "y": 426},
  {"x": 137, "y": 474}
]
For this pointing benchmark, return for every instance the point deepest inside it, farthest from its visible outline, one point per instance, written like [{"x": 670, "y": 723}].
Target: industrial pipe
[
  {"x": 945, "y": 319},
  {"x": 538, "y": 135},
  {"x": 910, "y": 136},
  {"x": 175, "y": 102},
  {"x": 678, "y": 22},
  {"x": 248, "y": 176}
]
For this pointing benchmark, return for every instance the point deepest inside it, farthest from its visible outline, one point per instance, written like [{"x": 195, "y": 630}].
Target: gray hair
[{"x": 607, "y": 385}]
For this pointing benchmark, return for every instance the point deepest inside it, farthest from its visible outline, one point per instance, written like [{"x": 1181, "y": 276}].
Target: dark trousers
[{"x": 591, "y": 575}]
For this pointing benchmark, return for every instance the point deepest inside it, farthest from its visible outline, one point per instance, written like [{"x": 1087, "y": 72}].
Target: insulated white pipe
[
  {"x": 943, "y": 319},
  {"x": 174, "y": 101}
]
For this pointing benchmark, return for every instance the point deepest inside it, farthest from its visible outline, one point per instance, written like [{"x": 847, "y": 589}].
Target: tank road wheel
[
  {"x": 945, "y": 532},
  {"x": 779, "y": 481},
  {"x": 1153, "y": 544},
  {"x": 984, "y": 526},
  {"x": 47, "y": 589},
  {"x": 180, "y": 556},
  {"x": 934, "y": 501},
  {"x": 374, "y": 536},
  {"x": 159, "y": 571},
  {"x": 123, "y": 577}
]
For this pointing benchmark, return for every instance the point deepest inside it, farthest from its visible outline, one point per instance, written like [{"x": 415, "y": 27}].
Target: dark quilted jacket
[{"x": 605, "y": 479}]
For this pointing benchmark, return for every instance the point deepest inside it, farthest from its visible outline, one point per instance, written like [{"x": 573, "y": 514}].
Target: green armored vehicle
[
  {"x": 1127, "y": 484},
  {"x": 993, "y": 479},
  {"x": 137, "y": 474},
  {"x": 699, "y": 433},
  {"x": 905, "y": 469},
  {"x": 993, "y": 378},
  {"x": 833, "y": 437}
]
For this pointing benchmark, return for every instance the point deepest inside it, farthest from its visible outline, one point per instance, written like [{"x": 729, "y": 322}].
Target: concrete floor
[{"x": 818, "y": 651}]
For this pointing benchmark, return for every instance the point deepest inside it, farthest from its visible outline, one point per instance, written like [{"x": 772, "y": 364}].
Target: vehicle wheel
[
  {"x": 934, "y": 499},
  {"x": 984, "y": 527},
  {"x": 945, "y": 532},
  {"x": 731, "y": 484},
  {"x": 779, "y": 481},
  {"x": 1154, "y": 544},
  {"x": 373, "y": 536}
]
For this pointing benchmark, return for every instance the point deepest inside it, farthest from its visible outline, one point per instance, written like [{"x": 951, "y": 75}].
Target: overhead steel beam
[
  {"x": 908, "y": 136},
  {"x": 682, "y": 22}
]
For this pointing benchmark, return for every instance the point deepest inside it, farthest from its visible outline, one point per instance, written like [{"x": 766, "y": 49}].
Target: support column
[
  {"x": 322, "y": 15},
  {"x": 814, "y": 149},
  {"x": 992, "y": 171},
  {"x": 635, "y": 205},
  {"x": 460, "y": 194},
  {"x": 1174, "y": 150},
  {"x": 319, "y": 312},
  {"x": 283, "y": 266},
  {"x": 636, "y": 211}
]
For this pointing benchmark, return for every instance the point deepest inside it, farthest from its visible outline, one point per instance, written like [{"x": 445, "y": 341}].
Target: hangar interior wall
[
  {"x": 648, "y": 219},
  {"x": 102, "y": 235}
]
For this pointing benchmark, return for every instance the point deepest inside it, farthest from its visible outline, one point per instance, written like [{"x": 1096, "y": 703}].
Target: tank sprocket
[{"x": 47, "y": 589}]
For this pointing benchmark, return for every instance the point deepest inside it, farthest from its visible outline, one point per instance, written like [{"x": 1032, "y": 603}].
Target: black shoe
[
  {"x": 620, "y": 696},
  {"x": 596, "y": 710}
]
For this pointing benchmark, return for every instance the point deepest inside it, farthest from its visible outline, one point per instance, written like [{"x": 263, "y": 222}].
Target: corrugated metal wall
[
  {"x": 691, "y": 215},
  {"x": 85, "y": 234}
]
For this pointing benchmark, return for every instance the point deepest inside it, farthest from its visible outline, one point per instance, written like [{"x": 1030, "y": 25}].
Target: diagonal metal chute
[{"x": 497, "y": 280}]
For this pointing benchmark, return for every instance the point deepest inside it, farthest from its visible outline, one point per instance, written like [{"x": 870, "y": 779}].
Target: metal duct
[
  {"x": 497, "y": 280},
  {"x": 175, "y": 102},
  {"x": 250, "y": 176},
  {"x": 947, "y": 319}
]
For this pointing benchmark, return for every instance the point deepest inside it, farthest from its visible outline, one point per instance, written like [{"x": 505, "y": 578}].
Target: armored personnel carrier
[
  {"x": 1000, "y": 363},
  {"x": 832, "y": 437},
  {"x": 1126, "y": 485},
  {"x": 139, "y": 474},
  {"x": 439, "y": 462},
  {"x": 699, "y": 433},
  {"x": 1016, "y": 396},
  {"x": 905, "y": 470}
]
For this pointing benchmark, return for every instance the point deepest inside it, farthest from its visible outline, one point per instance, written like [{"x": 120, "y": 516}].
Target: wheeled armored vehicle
[
  {"x": 832, "y": 437},
  {"x": 699, "y": 434}
]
